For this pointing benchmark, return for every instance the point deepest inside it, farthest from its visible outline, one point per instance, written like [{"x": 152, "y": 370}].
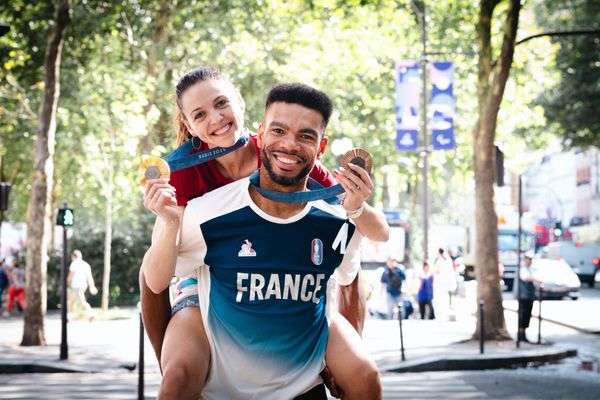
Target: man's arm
[
  {"x": 352, "y": 304},
  {"x": 156, "y": 312},
  {"x": 350, "y": 297}
]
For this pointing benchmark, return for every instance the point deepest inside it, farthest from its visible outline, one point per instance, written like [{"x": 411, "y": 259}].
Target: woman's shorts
[
  {"x": 188, "y": 301},
  {"x": 187, "y": 295}
]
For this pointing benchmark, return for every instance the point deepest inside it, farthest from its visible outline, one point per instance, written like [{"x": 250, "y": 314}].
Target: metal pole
[
  {"x": 141, "y": 359},
  {"x": 425, "y": 139},
  {"x": 400, "y": 307},
  {"x": 481, "y": 327},
  {"x": 64, "y": 346},
  {"x": 517, "y": 278},
  {"x": 541, "y": 296}
]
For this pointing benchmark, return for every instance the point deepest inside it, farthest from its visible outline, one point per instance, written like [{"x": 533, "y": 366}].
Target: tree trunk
[
  {"x": 108, "y": 219},
  {"x": 490, "y": 98},
  {"x": 38, "y": 212}
]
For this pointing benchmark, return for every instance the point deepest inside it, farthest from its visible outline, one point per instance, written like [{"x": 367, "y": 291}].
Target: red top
[{"x": 195, "y": 181}]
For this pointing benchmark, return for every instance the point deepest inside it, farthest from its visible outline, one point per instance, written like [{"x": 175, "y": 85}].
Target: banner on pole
[
  {"x": 442, "y": 105},
  {"x": 407, "y": 105}
]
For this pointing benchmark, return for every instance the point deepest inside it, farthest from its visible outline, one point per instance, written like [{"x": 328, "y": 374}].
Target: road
[{"x": 566, "y": 380}]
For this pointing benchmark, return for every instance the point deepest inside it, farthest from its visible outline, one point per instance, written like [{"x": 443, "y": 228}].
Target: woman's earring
[{"x": 196, "y": 142}]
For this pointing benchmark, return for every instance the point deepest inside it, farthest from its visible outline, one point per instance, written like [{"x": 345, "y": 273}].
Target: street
[{"x": 564, "y": 380}]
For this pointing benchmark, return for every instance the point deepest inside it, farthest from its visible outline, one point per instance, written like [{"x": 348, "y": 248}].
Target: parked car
[
  {"x": 558, "y": 278},
  {"x": 584, "y": 258}
]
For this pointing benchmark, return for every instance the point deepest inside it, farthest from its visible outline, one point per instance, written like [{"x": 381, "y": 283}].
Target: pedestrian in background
[
  {"x": 391, "y": 280},
  {"x": 445, "y": 284},
  {"x": 425, "y": 294},
  {"x": 527, "y": 294},
  {"x": 79, "y": 279},
  {"x": 3, "y": 283},
  {"x": 17, "y": 287}
]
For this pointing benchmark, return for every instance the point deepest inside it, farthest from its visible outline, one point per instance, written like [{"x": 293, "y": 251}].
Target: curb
[
  {"x": 23, "y": 367},
  {"x": 480, "y": 362},
  {"x": 553, "y": 321},
  {"x": 40, "y": 366}
]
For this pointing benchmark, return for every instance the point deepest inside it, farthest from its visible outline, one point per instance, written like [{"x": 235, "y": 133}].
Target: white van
[{"x": 584, "y": 258}]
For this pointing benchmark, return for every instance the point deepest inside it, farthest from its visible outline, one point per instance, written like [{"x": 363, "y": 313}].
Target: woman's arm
[{"x": 160, "y": 259}]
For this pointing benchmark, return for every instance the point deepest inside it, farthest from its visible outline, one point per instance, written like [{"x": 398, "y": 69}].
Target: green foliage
[
  {"x": 121, "y": 60},
  {"x": 571, "y": 105}
]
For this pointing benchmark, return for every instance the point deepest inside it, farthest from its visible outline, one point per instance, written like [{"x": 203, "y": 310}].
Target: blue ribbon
[
  {"x": 316, "y": 192},
  {"x": 181, "y": 158}
]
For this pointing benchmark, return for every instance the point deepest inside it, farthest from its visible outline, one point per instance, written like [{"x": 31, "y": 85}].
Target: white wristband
[{"x": 356, "y": 213}]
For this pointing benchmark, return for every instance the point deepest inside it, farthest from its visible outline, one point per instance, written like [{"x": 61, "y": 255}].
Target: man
[
  {"x": 391, "y": 281},
  {"x": 527, "y": 294},
  {"x": 265, "y": 266},
  {"x": 79, "y": 279}
]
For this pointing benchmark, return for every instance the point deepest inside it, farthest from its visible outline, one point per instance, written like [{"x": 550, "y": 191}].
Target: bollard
[
  {"x": 541, "y": 296},
  {"x": 141, "y": 358},
  {"x": 481, "y": 327},
  {"x": 400, "y": 307}
]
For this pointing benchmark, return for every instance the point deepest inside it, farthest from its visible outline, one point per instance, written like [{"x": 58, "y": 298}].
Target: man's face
[{"x": 291, "y": 138}]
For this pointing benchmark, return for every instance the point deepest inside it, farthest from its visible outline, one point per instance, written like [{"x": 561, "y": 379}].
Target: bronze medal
[
  {"x": 359, "y": 157},
  {"x": 153, "y": 168}
]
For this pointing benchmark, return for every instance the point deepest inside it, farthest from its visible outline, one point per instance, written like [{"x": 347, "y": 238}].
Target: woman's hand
[
  {"x": 357, "y": 184},
  {"x": 159, "y": 198}
]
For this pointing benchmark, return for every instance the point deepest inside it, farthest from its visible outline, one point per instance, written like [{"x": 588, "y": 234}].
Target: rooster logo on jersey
[{"x": 247, "y": 250}]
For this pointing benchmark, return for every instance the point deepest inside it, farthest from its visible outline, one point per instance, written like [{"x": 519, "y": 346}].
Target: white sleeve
[
  {"x": 524, "y": 273},
  {"x": 346, "y": 272},
  {"x": 192, "y": 247}
]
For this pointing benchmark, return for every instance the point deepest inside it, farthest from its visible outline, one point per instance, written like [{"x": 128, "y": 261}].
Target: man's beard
[{"x": 282, "y": 180}]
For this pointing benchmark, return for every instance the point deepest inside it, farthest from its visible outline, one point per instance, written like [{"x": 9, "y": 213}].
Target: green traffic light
[{"x": 68, "y": 217}]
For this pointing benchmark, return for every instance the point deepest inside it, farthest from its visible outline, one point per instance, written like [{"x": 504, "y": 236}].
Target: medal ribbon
[
  {"x": 316, "y": 192},
  {"x": 181, "y": 158}
]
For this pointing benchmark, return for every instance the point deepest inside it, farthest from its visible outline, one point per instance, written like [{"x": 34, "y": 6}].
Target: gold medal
[
  {"x": 359, "y": 157},
  {"x": 153, "y": 168}
]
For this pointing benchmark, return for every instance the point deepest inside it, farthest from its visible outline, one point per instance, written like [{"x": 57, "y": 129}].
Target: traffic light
[
  {"x": 558, "y": 229},
  {"x": 65, "y": 217},
  {"x": 4, "y": 192}
]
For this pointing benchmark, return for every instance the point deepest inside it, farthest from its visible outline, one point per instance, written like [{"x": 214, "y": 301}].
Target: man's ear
[
  {"x": 322, "y": 146},
  {"x": 260, "y": 133}
]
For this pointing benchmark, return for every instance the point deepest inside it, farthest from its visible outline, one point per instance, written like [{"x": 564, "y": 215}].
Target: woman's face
[{"x": 214, "y": 112}]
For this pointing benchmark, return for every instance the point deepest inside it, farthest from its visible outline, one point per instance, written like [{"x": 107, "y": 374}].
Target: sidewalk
[{"x": 112, "y": 345}]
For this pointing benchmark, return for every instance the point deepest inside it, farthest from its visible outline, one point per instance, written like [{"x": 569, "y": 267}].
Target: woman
[{"x": 211, "y": 109}]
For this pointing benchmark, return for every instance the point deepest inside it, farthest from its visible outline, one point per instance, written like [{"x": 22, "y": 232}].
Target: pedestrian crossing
[
  {"x": 428, "y": 386},
  {"x": 123, "y": 385}
]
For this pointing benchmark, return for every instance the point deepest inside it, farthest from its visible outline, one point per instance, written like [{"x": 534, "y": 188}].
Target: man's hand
[
  {"x": 330, "y": 383},
  {"x": 93, "y": 290}
]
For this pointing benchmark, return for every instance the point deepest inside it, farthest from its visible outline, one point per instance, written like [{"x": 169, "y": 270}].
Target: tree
[
  {"x": 39, "y": 213},
  {"x": 571, "y": 105},
  {"x": 491, "y": 82}
]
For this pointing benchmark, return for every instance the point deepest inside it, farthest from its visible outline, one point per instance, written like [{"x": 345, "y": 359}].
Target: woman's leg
[
  {"x": 156, "y": 311},
  {"x": 11, "y": 298},
  {"x": 21, "y": 299},
  {"x": 351, "y": 366},
  {"x": 422, "y": 309},
  {"x": 431, "y": 312},
  {"x": 185, "y": 357}
]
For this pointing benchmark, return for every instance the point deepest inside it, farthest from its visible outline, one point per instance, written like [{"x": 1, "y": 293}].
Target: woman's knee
[{"x": 179, "y": 382}]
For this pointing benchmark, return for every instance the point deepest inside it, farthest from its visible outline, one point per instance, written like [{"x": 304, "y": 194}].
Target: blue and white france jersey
[{"x": 265, "y": 289}]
